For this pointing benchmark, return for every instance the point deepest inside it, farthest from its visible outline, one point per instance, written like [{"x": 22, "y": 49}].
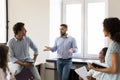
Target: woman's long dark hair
[
  {"x": 104, "y": 50},
  {"x": 4, "y": 57},
  {"x": 112, "y": 25}
]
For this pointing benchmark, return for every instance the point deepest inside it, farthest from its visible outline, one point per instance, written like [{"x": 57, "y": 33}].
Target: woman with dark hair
[
  {"x": 111, "y": 29},
  {"x": 96, "y": 75},
  {"x": 4, "y": 74}
]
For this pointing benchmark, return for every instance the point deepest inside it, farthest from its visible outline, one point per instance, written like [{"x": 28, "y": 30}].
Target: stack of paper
[{"x": 82, "y": 72}]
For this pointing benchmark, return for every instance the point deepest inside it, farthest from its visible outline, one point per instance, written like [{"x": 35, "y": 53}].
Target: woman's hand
[
  {"x": 90, "y": 78},
  {"x": 91, "y": 67}
]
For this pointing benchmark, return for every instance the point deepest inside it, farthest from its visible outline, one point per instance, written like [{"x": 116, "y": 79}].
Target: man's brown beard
[{"x": 63, "y": 34}]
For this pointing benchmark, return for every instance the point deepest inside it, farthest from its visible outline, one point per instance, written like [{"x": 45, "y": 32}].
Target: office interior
[{"x": 39, "y": 16}]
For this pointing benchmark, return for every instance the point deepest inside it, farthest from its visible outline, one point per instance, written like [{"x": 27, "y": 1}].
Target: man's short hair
[
  {"x": 17, "y": 27},
  {"x": 65, "y": 25}
]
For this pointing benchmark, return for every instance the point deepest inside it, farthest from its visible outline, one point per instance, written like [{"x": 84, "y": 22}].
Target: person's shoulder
[
  {"x": 71, "y": 37},
  {"x": 26, "y": 38},
  {"x": 114, "y": 47},
  {"x": 58, "y": 37},
  {"x": 12, "y": 40},
  {"x": 115, "y": 44}
]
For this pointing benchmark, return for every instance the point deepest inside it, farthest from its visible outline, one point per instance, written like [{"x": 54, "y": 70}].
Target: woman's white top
[
  {"x": 2, "y": 75},
  {"x": 95, "y": 74},
  {"x": 114, "y": 47}
]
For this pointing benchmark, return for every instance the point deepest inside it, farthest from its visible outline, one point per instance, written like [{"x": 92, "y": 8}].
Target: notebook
[{"x": 98, "y": 65}]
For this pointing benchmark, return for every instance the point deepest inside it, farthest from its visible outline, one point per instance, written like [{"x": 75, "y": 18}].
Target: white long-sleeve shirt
[
  {"x": 2, "y": 75},
  {"x": 95, "y": 74}
]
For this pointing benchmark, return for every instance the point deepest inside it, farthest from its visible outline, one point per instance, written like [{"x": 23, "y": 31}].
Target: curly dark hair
[
  {"x": 104, "y": 50},
  {"x": 18, "y": 27},
  {"x": 4, "y": 57},
  {"x": 112, "y": 25}
]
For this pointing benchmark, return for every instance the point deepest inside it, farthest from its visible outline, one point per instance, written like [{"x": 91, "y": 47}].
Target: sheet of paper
[{"x": 82, "y": 72}]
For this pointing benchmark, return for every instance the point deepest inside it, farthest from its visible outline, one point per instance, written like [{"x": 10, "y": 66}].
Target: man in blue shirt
[
  {"x": 65, "y": 45},
  {"x": 19, "y": 50}
]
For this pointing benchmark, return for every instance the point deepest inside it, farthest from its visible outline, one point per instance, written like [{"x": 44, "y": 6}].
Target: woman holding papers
[
  {"x": 96, "y": 75},
  {"x": 111, "y": 29}
]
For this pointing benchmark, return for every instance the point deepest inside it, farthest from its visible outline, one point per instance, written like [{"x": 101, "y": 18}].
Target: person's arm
[
  {"x": 74, "y": 48},
  {"x": 12, "y": 54},
  {"x": 25, "y": 64},
  {"x": 35, "y": 57},
  {"x": 20, "y": 63},
  {"x": 15, "y": 60},
  {"x": 33, "y": 47},
  {"x": 113, "y": 69},
  {"x": 53, "y": 49},
  {"x": 47, "y": 48}
]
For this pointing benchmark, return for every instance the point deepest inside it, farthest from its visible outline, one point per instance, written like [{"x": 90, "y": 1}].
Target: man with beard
[{"x": 65, "y": 46}]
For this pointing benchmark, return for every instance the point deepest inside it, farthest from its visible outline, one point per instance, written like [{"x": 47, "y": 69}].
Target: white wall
[
  {"x": 114, "y": 8},
  {"x": 35, "y": 15}
]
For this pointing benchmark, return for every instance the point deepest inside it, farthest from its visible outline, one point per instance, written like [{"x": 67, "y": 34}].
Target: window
[
  {"x": 84, "y": 19},
  {"x": 72, "y": 16},
  {"x": 94, "y": 26},
  {"x": 3, "y": 21}
]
